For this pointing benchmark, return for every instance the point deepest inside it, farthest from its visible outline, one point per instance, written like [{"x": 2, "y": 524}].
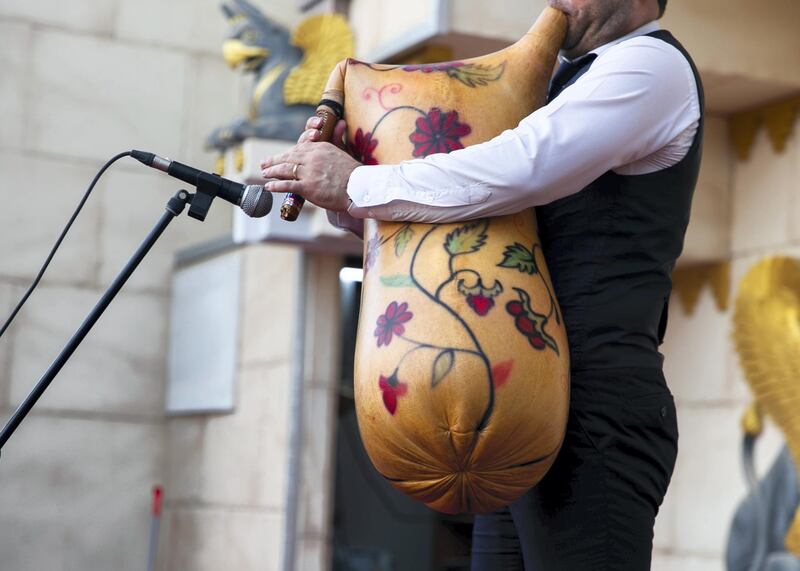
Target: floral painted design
[
  {"x": 479, "y": 297},
  {"x": 392, "y": 322},
  {"x": 372, "y": 252},
  {"x": 438, "y": 132},
  {"x": 529, "y": 323},
  {"x": 431, "y": 67},
  {"x": 470, "y": 74},
  {"x": 362, "y": 147},
  {"x": 523, "y": 260},
  {"x": 392, "y": 390}
]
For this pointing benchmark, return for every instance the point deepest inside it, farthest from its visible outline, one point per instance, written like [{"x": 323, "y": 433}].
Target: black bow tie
[{"x": 567, "y": 71}]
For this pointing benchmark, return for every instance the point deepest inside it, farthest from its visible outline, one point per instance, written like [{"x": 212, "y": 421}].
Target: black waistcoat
[{"x": 611, "y": 249}]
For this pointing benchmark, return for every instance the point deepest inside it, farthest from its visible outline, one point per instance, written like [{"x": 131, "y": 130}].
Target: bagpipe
[{"x": 462, "y": 363}]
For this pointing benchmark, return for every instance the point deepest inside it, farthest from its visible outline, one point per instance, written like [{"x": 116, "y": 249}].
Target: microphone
[{"x": 252, "y": 199}]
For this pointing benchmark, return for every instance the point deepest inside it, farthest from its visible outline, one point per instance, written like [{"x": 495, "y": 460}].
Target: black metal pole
[{"x": 174, "y": 207}]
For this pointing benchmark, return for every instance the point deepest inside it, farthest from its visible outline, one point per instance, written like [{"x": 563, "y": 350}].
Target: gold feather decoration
[
  {"x": 778, "y": 118},
  {"x": 767, "y": 335},
  {"x": 325, "y": 39},
  {"x": 688, "y": 283}
]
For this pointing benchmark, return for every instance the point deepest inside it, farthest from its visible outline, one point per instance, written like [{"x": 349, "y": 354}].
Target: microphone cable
[{"x": 38, "y": 278}]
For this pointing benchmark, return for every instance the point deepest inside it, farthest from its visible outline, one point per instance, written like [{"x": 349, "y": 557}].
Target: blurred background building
[{"x": 268, "y": 471}]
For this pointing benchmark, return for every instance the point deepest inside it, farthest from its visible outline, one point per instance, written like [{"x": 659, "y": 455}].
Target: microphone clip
[{"x": 207, "y": 190}]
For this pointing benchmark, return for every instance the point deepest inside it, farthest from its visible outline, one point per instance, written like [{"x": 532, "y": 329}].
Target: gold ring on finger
[{"x": 294, "y": 171}]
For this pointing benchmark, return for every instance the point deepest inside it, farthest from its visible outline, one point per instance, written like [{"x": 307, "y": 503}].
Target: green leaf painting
[
  {"x": 519, "y": 257},
  {"x": 442, "y": 366},
  {"x": 402, "y": 239},
  {"x": 474, "y": 75},
  {"x": 398, "y": 280},
  {"x": 467, "y": 239}
]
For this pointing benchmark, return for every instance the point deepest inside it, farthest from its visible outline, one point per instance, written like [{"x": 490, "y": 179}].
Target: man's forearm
[{"x": 631, "y": 105}]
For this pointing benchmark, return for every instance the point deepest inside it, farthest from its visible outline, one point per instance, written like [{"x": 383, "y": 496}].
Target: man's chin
[{"x": 570, "y": 45}]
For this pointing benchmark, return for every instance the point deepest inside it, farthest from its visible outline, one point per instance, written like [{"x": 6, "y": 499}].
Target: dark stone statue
[
  {"x": 758, "y": 532},
  {"x": 290, "y": 71}
]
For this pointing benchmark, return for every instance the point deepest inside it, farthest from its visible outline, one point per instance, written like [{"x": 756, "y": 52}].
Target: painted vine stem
[{"x": 437, "y": 131}]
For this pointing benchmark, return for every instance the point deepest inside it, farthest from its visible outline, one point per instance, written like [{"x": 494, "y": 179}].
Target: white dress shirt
[{"x": 635, "y": 111}]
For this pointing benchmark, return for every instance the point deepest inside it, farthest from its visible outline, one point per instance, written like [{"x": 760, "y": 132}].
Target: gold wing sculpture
[
  {"x": 767, "y": 336},
  {"x": 325, "y": 40}
]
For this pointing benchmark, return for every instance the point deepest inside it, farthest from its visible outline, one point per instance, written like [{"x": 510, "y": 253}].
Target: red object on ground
[{"x": 158, "y": 496}]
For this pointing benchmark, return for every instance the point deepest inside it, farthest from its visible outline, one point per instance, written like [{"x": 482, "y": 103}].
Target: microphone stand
[{"x": 200, "y": 204}]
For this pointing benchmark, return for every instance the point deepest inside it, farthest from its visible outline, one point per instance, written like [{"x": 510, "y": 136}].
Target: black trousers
[{"x": 596, "y": 507}]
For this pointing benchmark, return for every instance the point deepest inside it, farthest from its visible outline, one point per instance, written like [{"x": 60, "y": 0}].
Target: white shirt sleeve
[
  {"x": 635, "y": 111},
  {"x": 346, "y": 222}
]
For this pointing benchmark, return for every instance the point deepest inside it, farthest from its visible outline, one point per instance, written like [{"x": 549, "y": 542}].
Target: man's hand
[{"x": 319, "y": 172}]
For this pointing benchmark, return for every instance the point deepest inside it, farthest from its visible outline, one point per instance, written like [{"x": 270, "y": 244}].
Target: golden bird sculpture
[
  {"x": 767, "y": 336},
  {"x": 289, "y": 69}
]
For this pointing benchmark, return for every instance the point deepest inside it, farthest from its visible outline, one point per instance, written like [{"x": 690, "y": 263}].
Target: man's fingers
[
  {"x": 310, "y": 135},
  {"x": 293, "y": 155},
  {"x": 283, "y": 171},
  {"x": 284, "y": 186},
  {"x": 338, "y": 134},
  {"x": 314, "y": 122}
]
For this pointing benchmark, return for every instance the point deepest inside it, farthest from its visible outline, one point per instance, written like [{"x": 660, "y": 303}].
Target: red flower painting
[
  {"x": 479, "y": 297},
  {"x": 391, "y": 322},
  {"x": 438, "y": 132},
  {"x": 480, "y": 303},
  {"x": 392, "y": 389},
  {"x": 362, "y": 147}
]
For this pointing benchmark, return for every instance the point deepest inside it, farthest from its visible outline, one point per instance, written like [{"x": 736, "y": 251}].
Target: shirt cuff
[{"x": 367, "y": 187}]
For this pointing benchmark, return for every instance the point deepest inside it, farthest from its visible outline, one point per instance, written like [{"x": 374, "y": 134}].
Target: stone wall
[
  {"x": 702, "y": 367},
  {"x": 82, "y": 81}
]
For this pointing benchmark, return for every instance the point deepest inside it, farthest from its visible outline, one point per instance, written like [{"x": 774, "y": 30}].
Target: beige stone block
[
  {"x": 695, "y": 351},
  {"x": 676, "y": 562},
  {"x": 184, "y": 451},
  {"x": 322, "y": 357},
  {"x": 93, "y": 97},
  {"x": 317, "y": 471},
  {"x": 180, "y": 24},
  {"x": 215, "y": 96},
  {"x": 119, "y": 368},
  {"x": 742, "y": 27},
  {"x": 245, "y": 457},
  {"x": 708, "y": 480},
  {"x": 189, "y": 24},
  {"x": 132, "y": 202},
  {"x": 92, "y": 16},
  {"x": 313, "y": 555},
  {"x": 15, "y": 61},
  {"x": 708, "y": 234},
  {"x": 269, "y": 303},
  {"x": 793, "y": 150},
  {"x": 510, "y": 23},
  {"x": 762, "y": 198},
  {"x": 9, "y": 296},
  {"x": 211, "y": 539},
  {"x": 38, "y": 197},
  {"x": 378, "y": 25},
  {"x": 75, "y": 494}
]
